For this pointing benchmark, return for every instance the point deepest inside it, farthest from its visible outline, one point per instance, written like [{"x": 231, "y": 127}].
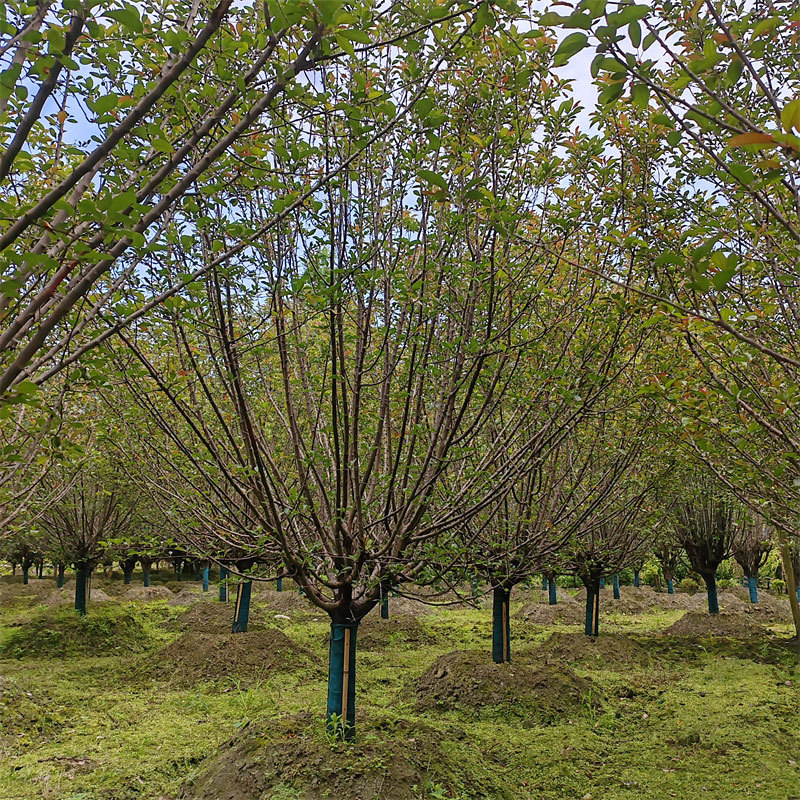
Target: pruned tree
[
  {"x": 707, "y": 524},
  {"x": 751, "y": 549}
]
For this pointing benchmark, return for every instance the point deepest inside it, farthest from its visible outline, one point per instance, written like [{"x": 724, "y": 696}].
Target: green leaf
[
  {"x": 432, "y": 177},
  {"x": 635, "y": 33},
  {"x": 128, "y": 17},
  {"x": 105, "y": 103},
  {"x": 640, "y": 95},
  {"x": 573, "y": 44}
]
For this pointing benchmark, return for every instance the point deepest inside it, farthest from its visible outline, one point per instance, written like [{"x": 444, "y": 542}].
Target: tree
[
  {"x": 751, "y": 550},
  {"x": 96, "y": 508},
  {"x": 707, "y": 524},
  {"x": 720, "y": 253}
]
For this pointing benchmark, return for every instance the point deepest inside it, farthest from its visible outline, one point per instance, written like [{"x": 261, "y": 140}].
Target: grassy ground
[{"x": 694, "y": 719}]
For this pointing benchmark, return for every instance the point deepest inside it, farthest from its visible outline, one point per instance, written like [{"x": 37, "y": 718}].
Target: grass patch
[{"x": 676, "y": 717}]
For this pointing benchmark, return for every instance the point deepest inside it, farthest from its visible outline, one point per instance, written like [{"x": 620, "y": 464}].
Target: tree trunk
[
  {"x": 82, "y": 573},
  {"x": 670, "y": 586},
  {"x": 385, "y": 606},
  {"x": 592, "y": 627},
  {"x": 603, "y": 582},
  {"x": 791, "y": 584},
  {"x": 224, "y": 574},
  {"x": 279, "y": 585},
  {"x": 544, "y": 583},
  {"x": 752, "y": 585},
  {"x": 60, "y": 575},
  {"x": 25, "y": 570},
  {"x": 501, "y": 626},
  {"x": 341, "y": 712},
  {"x": 241, "y": 612},
  {"x": 205, "y": 578},
  {"x": 713, "y": 597},
  {"x": 40, "y": 569},
  {"x": 552, "y": 592},
  {"x": 636, "y": 578},
  {"x": 615, "y": 581},
  {"x": 127, "y": 575}
]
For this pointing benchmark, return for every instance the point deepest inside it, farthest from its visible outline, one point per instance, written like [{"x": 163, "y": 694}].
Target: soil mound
[
  {"x": 36, "y": 590},
  {"x": 284, "y": 602},
  {"x": 66, "y": 596},
  {"x": 186, "y": 596},
  {"x": 289, "y": 759},
  {"x": 213, "y": 618},
  {"x": 470, "y": 680},
  {"x": 375, "y": 633},
  {"x": 60, "y": 632},
  {"x": 146, "y": 594},
  {"x": 540, "y": 614},
  {"x": 197, "y": 656},
  {"x": 607, "y": 649},
  {"x": 696, "y": 623}
]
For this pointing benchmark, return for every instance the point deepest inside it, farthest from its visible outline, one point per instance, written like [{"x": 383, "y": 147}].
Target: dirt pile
[
  {"x": 201, "y": 656},
  {"x": 469, "y": 680},
  {"x": 697, "y": 623},
  {"x": 186, "y": 596},
  {"x": 612, "y": 649},
  {"x": 60, "y": 632},
  {"x": 136, "y": 594},
  {"x": 285, "y": 602},
  {"x": 35, "y": 591},
  {"x": 375, "y": 633},
  {"x": 66, "y": 596},
  {"x": 541, "y": 614},
  {"x": 214, "y": 618},
  {"x": 289, "y": 759}
]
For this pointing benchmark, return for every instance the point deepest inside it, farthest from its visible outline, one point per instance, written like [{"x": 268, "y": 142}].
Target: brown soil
[
  {"x": 146, "y": 593},
  {"x": 468, "y": 680},
  {"x": 200, "y": 656},
  {"x": 390, "y": 761},
  {"x": 607, "y": 649},
  {"x": 540, "y": 614},
  {"x": 375, "y": 633},
  {"x": 285, "y": 602},
  {"x": 66, "y": 595},
  {"x": 37, "y": 589},
  {"x": 697, "y": 623},
  {"x": 214, "y": 618},
  {"x": 187, "y": 595}
]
